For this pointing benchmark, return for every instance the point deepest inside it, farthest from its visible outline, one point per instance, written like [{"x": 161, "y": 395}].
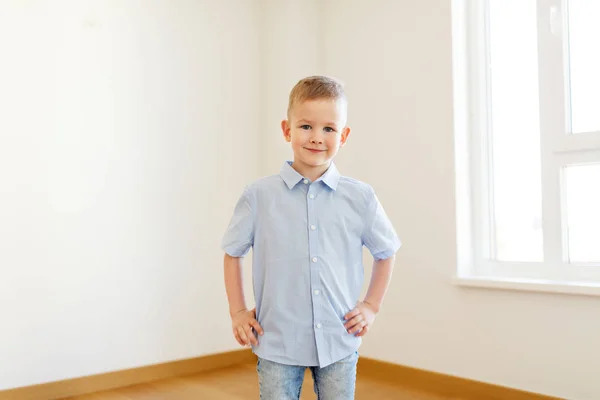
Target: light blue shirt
[{"x": 307, "y": 268}]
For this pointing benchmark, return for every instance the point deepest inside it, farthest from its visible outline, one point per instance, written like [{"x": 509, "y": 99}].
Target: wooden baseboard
[
  {"x": 442, "y": 384},
  {"x": 117, "y": 379},
  {"x": 395, "y": 374}
]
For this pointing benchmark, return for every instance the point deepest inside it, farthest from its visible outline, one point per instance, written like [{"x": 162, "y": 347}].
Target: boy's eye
[
  {"x": 305, "y": 127},
  {"x": 329, "y": 129}
]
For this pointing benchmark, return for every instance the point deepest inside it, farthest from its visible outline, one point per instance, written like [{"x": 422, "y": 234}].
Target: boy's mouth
[{"x": 314, "y": 150}]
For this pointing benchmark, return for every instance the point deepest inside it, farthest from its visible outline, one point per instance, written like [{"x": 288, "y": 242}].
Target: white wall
[
  {"x": 395, "y": 57},
  {"x": 127, "y": 131}
]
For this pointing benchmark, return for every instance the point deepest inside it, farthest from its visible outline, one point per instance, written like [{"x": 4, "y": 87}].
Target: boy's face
[{"x": 316, "y": 129}]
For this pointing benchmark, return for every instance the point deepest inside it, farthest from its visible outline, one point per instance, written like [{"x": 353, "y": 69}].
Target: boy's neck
[{"x": 310, "y": 172}]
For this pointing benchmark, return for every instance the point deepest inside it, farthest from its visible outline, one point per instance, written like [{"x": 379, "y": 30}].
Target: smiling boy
[{"x": 307, "y": 227}]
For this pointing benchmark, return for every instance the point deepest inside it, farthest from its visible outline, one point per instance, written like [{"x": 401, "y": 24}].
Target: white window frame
[{"x": 559, "y": 148}]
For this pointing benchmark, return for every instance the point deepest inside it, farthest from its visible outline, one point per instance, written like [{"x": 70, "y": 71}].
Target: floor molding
[
  {"x": 392, "y": 373},
  {"x": 128, "y": 377},
  {"x": 446, "y": 385}
]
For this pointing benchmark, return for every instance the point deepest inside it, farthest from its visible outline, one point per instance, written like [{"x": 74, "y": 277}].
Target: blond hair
[{"x": 316, "y": 88}]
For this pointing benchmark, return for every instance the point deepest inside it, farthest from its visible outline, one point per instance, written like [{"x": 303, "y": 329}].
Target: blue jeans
[{"x": 284, "y": 382}]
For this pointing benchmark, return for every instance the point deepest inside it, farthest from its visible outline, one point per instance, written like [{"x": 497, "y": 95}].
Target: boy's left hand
[{"x": 360, "y": 319}]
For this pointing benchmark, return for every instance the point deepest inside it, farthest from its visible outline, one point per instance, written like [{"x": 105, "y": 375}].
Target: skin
[{"x": 316, "y": 130}]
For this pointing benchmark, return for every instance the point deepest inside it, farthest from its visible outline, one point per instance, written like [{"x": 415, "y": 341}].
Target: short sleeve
[
  {"x": 379, "y": 235},
  {"x": 239, "y": 236}
]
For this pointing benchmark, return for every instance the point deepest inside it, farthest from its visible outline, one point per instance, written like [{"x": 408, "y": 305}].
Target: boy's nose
[{"x": 316, "y": 140}]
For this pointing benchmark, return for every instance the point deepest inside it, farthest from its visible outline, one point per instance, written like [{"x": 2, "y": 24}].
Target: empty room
[{"x": 299, "y": 199}]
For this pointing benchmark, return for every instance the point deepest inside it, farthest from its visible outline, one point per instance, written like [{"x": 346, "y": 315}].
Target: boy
[{"x": 307, "y": 226}]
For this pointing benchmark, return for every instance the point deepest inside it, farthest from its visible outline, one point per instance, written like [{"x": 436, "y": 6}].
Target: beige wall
[{"x": 127, "y": 131}]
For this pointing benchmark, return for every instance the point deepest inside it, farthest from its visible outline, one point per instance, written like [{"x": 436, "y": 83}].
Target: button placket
[{"x": 314, "y": 264}]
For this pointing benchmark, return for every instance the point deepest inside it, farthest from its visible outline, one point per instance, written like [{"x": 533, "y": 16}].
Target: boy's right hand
[{"x": 242, "y": 323}]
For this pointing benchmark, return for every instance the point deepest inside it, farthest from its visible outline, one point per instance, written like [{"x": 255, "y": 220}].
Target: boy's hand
[
  {"x": 242, "y": 323},
  {"x": 360, "y": 319}
]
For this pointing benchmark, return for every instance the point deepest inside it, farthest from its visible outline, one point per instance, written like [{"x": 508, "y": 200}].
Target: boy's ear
[
  {"x": 285, "y": 127},
  {"x": 345, "y": 134}
]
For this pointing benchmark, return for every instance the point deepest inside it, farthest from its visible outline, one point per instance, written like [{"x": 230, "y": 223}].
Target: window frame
[{"x": 559, "y": 148}]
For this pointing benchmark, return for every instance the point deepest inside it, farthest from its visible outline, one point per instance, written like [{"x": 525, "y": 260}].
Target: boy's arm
[
  {"x": 234, "y": 284},
  {"x": 380, "y": 280},
  {"x": 242, "y": 320},
  {"x": 361, "y": 318}
]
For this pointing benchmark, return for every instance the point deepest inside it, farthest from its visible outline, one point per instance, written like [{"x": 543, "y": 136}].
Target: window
[{"x": 527, "y": 91}]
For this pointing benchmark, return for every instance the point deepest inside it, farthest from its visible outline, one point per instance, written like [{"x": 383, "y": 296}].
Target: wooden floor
[{"x": 240, "y": 382}]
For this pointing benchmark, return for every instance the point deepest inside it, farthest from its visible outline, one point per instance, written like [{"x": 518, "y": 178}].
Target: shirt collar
[
  {"x": 331, "y": 177},
  {"x": 291, "y": 177}
]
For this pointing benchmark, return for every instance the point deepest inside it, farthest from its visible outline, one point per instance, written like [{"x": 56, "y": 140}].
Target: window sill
[{"x": 572, "y": 288}]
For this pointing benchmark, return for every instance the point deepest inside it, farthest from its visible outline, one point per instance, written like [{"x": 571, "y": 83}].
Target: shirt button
[
  {"x": 305, "y": 181},
  {"x": 312, "y": 196},
  {"x": 312, "y": 227},
  {"x": 314, "y": 259},
  {"x": 319, "y": 326},
  {"x": 317, "y": 292}
]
